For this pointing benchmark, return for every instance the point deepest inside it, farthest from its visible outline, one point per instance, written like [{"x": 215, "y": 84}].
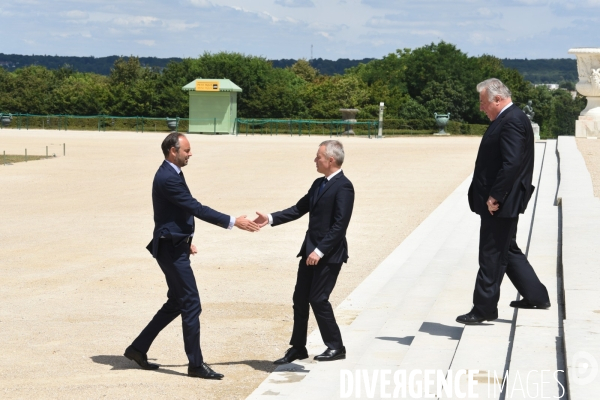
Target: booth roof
[{"x": 225, "y": 85}]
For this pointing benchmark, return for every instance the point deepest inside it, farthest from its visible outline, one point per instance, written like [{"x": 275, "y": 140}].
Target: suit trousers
[
  {"x": 183, "y": 299},
  {"x": 499, "y": 254},
  {"x": 314, "y": 284}
]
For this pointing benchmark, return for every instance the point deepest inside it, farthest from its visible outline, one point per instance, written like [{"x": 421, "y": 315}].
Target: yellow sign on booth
[{"x": 207, "y": 86}]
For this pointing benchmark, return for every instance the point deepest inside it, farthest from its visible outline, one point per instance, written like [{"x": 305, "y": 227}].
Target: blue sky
[{"x": 287, "y": 28}]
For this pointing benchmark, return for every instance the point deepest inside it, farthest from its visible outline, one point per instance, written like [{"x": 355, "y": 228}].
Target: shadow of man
[{"x": 120, "y": 363}]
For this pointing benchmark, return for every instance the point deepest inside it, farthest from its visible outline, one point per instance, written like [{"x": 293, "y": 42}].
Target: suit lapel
[
  {"x": 497, "y": 123},
  {"x": 327, "y": 186},
  {"x": 172, "y": 171}
]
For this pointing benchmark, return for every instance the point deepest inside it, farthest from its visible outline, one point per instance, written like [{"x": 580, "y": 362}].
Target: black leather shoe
[
  {"x": 472, "y": 319},
  {"x": 140, "y": 358},
  {"x": 292, "y": 354},
  {"x": 524, "y": 303},
  {"x": 332, "y": 355},
  {"x": 204, "y": 372}
]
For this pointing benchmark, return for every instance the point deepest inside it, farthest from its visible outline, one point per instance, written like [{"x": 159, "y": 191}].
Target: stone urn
[
  {"x": 588, "y": 69},
  {"x": 5, "y": 119},
  {"x": 172, "y": 123},
  {"x": 441, "y": 120},
  {"x": 349, "y": 115}
]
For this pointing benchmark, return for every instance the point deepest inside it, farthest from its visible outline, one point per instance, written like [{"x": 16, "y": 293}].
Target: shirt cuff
[
  {"x": 270, "y": 219},
  {"x": 319, "y": 253},
  {"x": 231, "y": 222}
]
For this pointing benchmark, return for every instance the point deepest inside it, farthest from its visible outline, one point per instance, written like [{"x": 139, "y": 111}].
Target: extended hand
[
  {"x": 313, "y": 259},
  {"x": 262, "y": 219},
  {"x": 193, "y": 250},
  {"x": 492, "y": 205},
  {"x": 245, "y": 224}
]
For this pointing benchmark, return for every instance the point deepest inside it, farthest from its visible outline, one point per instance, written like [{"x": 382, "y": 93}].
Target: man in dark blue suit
[
  {"x": 171, "y": 245},
  {"x": 500, "y": 191},
  {"x": 329, "y": 202}
]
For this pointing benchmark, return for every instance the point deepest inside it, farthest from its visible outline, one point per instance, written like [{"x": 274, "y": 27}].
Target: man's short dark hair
[{"x": 172, "y": 140}]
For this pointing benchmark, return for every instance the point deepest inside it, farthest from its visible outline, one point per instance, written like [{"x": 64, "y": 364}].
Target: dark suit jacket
[
  {"x": 175, "y": 209},
  {"x": 329, "y": 216},
  {"x": 504, "y": 165}
]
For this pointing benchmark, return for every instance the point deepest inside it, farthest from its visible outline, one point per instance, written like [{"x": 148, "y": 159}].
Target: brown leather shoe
[{"x": 140, "y": 358}]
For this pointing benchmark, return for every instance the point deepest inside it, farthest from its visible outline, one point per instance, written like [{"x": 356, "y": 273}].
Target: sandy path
[
  {"x": 590, "y": 149},
  {"x": 77, "y": 284}
]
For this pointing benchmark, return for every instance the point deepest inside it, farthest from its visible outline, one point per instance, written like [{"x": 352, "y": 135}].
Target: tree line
[{"x": 413, "y": 84}]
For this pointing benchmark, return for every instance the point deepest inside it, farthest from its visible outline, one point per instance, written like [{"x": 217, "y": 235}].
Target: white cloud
[
  {"x": 75, "y": 14},
  {"x": 201, "y": 3},
  {"x": 179, "y": 26},
  {"x": 295, "y": 3},
  {"x": 287, "y": 28},
  {"x": 135, "y": 21}
]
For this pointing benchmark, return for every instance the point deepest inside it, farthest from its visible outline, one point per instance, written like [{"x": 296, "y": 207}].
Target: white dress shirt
[{"x": 504, "y": 109}]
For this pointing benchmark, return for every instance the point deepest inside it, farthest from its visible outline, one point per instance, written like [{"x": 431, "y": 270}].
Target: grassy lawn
[{"x": 12, "y": 158}]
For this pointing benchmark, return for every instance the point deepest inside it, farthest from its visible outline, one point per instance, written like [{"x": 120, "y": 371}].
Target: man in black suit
[
  {"x": 499, "y": 192},
  {"x": 329, "y": 202},
  {"x": 171, "y": 245}
]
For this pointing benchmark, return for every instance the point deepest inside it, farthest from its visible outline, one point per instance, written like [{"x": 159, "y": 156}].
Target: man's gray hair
[
  {"x": 335, "y": 149},
  {"x": 172, "y": 140},
  {"x": 494, "y": 87}
]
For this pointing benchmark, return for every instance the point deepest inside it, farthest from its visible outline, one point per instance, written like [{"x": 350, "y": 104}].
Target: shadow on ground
[
  {"x": 122, "y": 363},
  {"x": 259, "y": 365}
]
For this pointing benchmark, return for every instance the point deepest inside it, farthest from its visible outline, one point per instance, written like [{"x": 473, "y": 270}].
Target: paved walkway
[{"x": 399, "y": 325}]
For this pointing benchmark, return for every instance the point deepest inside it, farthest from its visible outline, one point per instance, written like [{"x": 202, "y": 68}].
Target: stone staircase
[{"x": 399, "y": 324}]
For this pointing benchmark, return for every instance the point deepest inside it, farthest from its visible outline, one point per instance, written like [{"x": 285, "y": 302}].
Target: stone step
[
  {"x": 537, "y": 344},
  {"x": 483, "y": 348},
  {"x": 581, "y": 275},
  {"x": 402, "y": 317}
]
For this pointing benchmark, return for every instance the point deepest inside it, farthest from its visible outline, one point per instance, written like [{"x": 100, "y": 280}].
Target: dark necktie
[
  {"x": 182, "y": 177},
  {"x": 322, "y": 185}
]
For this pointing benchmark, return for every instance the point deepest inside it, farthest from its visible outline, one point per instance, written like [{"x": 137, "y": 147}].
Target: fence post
[
  {"x": 25, "y": 155},
  {"x": 4, "y": 157},
  {"x": 64, "y": 150},
  {"x": 380, "y": 127},
  {"x": 46, "y": 151}
]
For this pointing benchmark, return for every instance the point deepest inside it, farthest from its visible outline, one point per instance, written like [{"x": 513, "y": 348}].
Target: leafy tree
[
  {"x": 304, "y": 70},
  {"x": 325, "y": 98},
  {"x": 82, "y": 94},
  {"x": 411, "y": 109},
  {"x": 133, "y": 88},
  {"x": 281, "y": 97}
]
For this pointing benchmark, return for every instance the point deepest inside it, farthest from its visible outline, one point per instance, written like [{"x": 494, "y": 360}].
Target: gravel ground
[
  {"x": 78, "y": 284},
  {"x": 591, "y": 154}
]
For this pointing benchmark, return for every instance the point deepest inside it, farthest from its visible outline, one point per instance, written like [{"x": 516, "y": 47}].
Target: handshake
[{"x": 245, "y": 224}]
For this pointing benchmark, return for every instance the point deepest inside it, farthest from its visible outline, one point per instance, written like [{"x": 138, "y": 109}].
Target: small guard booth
[{"x": 213, "y": 105}]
